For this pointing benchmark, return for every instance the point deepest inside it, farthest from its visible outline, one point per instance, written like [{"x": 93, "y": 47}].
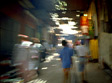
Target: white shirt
[{"x": 81, "y": 50}]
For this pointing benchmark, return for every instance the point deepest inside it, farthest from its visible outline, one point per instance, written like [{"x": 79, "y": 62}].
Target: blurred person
[
  {"x": 34, "y": 60},
  {"x": 44, "y": 50},
  {"x": 21, "y": 56},
  {"x": 82, "y": 53},
  {"x": 70, "y": 44},
  {"x": 66, "y": 57}
]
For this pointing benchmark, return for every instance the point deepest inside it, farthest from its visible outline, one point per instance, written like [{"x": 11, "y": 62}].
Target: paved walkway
[{"x": 51, "y": 72}]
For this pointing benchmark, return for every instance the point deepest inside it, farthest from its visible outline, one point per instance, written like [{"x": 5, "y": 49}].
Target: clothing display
[{"x": 93, "y": 45}]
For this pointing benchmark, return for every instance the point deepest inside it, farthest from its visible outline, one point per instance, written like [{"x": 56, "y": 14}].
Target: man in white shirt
[{"x": 82, "y": 53}]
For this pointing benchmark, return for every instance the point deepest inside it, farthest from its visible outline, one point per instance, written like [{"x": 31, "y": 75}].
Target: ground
[{"x": 51, "y": 72}]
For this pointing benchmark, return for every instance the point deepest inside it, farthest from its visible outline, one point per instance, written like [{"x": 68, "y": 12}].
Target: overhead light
[
  {"x": 21, "y": 35},
  {"x": 64, "y": 12},
  {"x": 77, "y": 15},
  {"x": 44, "y": 68},
  {"x": 85, "y": 14},
  {"x": 51, "y": 31},
  {"x": 74, "y": 28},
  {"x": 66, "y": 26},
  {"x": 64, "y": 34},
  {"x": 66, "y": 18},
  {"x": 59, "y": 44},
  {"x": 57, "y": 22},
  {"x": 71, "y": 23},
  {"x": 54, "y": 15},
  {"x": 68, "y": 31},
  {"x": 57, "y": 34}
]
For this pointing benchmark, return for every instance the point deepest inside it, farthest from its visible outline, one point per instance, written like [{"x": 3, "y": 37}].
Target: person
[
  {"x": 66, "y": 57},
  {"x": 20, "y": 57},
  {"x": 82, "y": 53},
  {"x": 43, "y": 51},
  {"x": 34, "y": 57},
  {"x": 36, "y": 47},
  {"x": 70, "y": 44}
]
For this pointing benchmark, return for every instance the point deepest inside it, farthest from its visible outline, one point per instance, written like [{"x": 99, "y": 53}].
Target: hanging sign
[
  {"x": 84, "y": 25},
  {"x": 84, "y": 21}
]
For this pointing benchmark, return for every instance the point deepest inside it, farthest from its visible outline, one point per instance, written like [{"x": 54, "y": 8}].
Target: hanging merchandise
[
  {"x": 84, "y": 21},
  {"x": 93, "y": 45},
  {"x": 84, "y": 30},
  {"x": 84, "y": 24},
  {"x": 91, "y": 28}
]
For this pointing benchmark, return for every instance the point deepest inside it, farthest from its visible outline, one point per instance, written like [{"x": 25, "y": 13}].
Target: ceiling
[
  {"x": 78, "y": 4},
  {"x": 41, "y": 8}
]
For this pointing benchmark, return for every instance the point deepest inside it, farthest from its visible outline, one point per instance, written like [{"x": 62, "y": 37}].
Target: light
[
  {"x": 64, "y": 18},
  {"x": 64, "y": 34},
  {"x": 64, "y": 12},
  {"x": 67, "y": 29},
  {"x": 56, "y": 54},
  {"x": 26, "y": 43},
  {"x": 57, "y": 23},
  {"x": 57, "y": 34},
  {"x": 54, "y": 15},
  {"x": 59, "y": 44},
  {"x": 71, "y": 23},
  {"x": 74, "y": 27},
  {"x": 51, "y": 31},
  {"x": 69, "y": 40},
  {"x": 44, "y": 68},
  {"x": 76, "y": 61},
  {"x": 70, "y": 31},
  {"x": 21, "y": 35},
  {"x": 77, "y": 15},
  {"x": 58, "y": 59},
  {"x": 85, "y": 14},
  {"x": 64, "y": 26}
]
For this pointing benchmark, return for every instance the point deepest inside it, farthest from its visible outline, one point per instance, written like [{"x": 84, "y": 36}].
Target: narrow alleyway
[{"x": 51, "y": 72}]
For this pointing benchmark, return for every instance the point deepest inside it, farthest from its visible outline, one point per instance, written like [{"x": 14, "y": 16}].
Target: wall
[
  {"x": 105, "y": 46},
  {"x": 104, "y": 14},
  {"x": 14, "y": 21}
]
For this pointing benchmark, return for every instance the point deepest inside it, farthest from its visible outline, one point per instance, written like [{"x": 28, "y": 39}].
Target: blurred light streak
[
  {"x": 56, "y": 54},
  {"x": 44, "y": 68},
  {"x": 59, "y": 44},
  {"x": 21, "y": 35},
  {"x": 58, "y": 59}
]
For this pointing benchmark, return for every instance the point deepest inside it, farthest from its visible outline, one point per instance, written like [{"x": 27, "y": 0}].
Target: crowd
[
  {"x": 78, "y": 49},
  {"x": 28, "y": 53}
]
